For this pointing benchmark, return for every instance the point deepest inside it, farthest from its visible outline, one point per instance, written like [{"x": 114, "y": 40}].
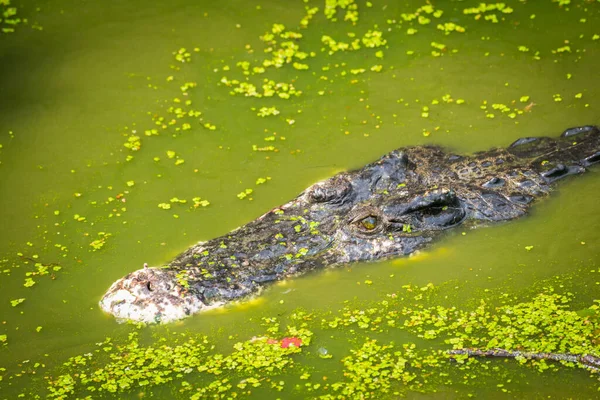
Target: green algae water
[{"x": 132, "y": 130}]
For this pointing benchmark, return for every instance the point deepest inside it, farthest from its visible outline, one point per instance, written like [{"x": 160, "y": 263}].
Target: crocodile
[{"x": 392, "y": 207}]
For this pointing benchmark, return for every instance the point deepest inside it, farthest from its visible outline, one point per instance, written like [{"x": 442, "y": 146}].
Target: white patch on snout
[
  {"x": 150, "y": 295},
  {"x": 120, "y": 296}
]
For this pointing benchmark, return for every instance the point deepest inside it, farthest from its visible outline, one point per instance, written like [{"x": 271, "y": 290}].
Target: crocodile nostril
[{"x": 150, "y": 286}]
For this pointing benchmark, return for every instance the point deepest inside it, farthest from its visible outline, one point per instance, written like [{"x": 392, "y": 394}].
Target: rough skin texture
[{"x": 389, "y": 208}]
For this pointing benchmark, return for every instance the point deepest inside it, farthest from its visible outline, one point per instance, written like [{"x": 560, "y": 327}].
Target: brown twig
[
  {"x": 33, "y": 260},
  {"x": 585, "y": 360}
]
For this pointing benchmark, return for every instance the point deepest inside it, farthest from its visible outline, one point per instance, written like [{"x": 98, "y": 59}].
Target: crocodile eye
[{"x": 368, "y": 223}]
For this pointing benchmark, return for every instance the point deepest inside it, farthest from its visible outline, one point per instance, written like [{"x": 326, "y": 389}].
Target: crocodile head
[
  {"x": 370, "y": 214},
  {"x": 389, "y": 208}
]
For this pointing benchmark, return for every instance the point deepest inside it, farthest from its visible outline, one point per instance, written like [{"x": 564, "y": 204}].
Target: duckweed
[
  {"x": 484, "y": 8},
  {"x": 242, "y": 195},
  {"x": 131, "y": 365},
  {"x": 545, "y": 324},
  {"x": 16, "y": 302},
  {"x": 133, "y": 143},
  {"x": 100, "y": 242},
  {"x": 182, "y": 55},
  {"x": 332, "y": 7},
  {"x": 266, "y": 111},
  {"x": 198, "y": 202},
  {"x": 29, "y": 282},
  {"x": 260, "y": 181},
  {"x": 9, "y": 19},
  {"x": 449, "y": 27}
]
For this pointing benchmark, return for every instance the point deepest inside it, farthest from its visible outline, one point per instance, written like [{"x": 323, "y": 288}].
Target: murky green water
[{"x": 100, "y": 73}]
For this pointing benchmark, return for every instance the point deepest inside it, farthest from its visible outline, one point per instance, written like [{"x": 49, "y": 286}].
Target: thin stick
[{"x": 585, "y": 360}]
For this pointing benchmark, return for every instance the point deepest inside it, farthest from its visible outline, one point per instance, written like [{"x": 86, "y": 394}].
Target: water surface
[{"x": 98, "y": 74}]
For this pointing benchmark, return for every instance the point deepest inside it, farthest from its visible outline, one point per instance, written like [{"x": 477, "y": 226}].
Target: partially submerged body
[{"x": 389, "y": 208}]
